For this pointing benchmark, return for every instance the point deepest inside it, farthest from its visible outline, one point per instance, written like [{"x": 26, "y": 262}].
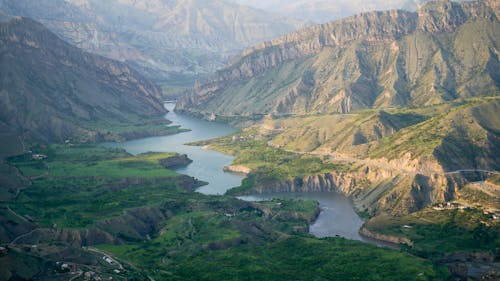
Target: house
[
  {"x": 212, "y": 117},
  {"x": 3, "y": 251},
  {"x": 39, "y": 156}
]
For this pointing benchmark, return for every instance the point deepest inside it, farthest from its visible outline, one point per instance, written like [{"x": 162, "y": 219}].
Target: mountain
[
  {"x": 443, "y": 52},
  {"x": 164, "y": 39},
  {"x": 321, "y": 11},
  {"x": 51, "y": 91},
  {"x": 406, "y": 102}
]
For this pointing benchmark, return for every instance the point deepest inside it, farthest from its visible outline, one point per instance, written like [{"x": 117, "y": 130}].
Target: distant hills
[
  {"x": 51, "y": 91},
  {"x": 443, "y": 52},
  {"x": 165, "y": 40},
  {"x": 321, "y": 11}
]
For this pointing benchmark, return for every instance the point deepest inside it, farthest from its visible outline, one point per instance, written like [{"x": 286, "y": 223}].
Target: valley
[
  {"x": 152, "y": 223},
  {"x": 364, "y": 148}
]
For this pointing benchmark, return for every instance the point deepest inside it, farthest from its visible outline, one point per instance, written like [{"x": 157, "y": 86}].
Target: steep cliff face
[
  {"x": 51, "y": 91},
  {"x": 375, "y": 190},
  {"x": 443, "y": 52},
  {"x": 160, "y": 38}
]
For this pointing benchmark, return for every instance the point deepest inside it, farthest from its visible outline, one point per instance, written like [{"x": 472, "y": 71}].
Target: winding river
[{"x": 337, "y": 217}]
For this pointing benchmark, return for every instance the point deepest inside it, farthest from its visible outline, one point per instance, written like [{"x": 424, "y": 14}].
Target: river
[{"x": 337, "y": 216}]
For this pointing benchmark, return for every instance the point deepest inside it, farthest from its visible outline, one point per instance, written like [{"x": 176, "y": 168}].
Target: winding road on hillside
[{"x": 383, "y": 165}]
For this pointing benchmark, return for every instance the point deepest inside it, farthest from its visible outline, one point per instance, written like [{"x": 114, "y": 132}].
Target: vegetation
[
  {"x": 211, "y": 225},
  {"x": 495, "y": 179},
  {"x": 305, "y": 258},
  {"x": 268, "y": 164},
  {"x": 190, "y": 232},
  {"x": 68, "y": 161},
  {"x": 437, "y": 233},
  {"x": 79, "y": 185}
]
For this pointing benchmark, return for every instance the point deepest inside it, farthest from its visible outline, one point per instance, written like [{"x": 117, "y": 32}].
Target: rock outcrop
[
  {"x": 373, "y": 60},
  {"x": 396, "y": 240},
  {"x": 374, "y": 189},
  {"x": 176, "y": 161}
]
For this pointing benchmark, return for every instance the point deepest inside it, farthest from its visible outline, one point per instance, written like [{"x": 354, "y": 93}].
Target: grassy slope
[
  {"x": 436, "y": 233},
  {"x": 455, "y": 136},
  {"x": 268, "y": 164},
  {"x": 79, "y": 185}
]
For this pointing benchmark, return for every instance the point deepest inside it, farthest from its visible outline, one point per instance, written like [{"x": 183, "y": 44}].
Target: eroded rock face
[
  {"x": 373, "y": 60},
  {"x": 374, "y": 189}
]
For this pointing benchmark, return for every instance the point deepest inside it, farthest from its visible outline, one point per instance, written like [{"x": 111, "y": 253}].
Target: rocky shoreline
[
  {"x": 177, "y": 160},
  {"x": 391, "y": 239},
  {"x": 240, "y": 169}
]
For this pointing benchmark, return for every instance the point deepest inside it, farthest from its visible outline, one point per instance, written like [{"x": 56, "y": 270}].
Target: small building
[
  {"x": 212, "y": 117},
  {"x": 65, "y": 267},
  {"x": 39, "y": 156},
  {"x": 3, "y": 251},
  {"x": 107, "y": 259}
]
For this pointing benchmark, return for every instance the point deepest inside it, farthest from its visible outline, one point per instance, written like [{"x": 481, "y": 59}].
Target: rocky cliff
[
  {"x": 444, "y": 51},
  {"x": 374, "y": 189},
  {"x": 53, "y": 91}
]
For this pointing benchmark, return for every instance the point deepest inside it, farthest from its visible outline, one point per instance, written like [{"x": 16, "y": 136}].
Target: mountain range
[
  {"x": 443, "y": 52},
  {"x": 163, "y": 39},
  {"x": 321, "y": 11},
  {"x": 408, "y": 99}
]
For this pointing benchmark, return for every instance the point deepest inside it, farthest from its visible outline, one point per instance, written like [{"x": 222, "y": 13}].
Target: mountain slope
[
  {"x": 51, "y": 91},
  {"x": 160, "y": 38},
  {"x": 375, "y": 60}
]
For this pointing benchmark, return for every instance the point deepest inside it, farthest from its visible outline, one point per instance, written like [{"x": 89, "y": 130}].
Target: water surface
[
  {"x": 207, "y": 165},
  {"x": 337, "y": 217}
]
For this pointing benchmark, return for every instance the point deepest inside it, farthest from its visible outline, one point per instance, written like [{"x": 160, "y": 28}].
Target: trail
[
  {"x": 385, "y": 166},
  {"x": 105, "y": 254}
]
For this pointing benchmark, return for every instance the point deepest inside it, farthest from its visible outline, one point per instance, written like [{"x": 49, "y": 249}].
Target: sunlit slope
[{"x": 377, "y": 60}]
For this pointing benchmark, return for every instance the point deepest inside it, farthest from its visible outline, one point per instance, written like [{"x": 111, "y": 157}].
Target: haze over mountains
[
  {"x": 321, "y": 11},
  {"x": 163, "y": 39}
]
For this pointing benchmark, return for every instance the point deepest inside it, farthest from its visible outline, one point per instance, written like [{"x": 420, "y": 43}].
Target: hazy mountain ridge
[
  {"x": 321, "y": 11},
  {"x": 381, "y": 59},
  {"x": 159, "y": 37},
  {"x": 51, "y": 91}
]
